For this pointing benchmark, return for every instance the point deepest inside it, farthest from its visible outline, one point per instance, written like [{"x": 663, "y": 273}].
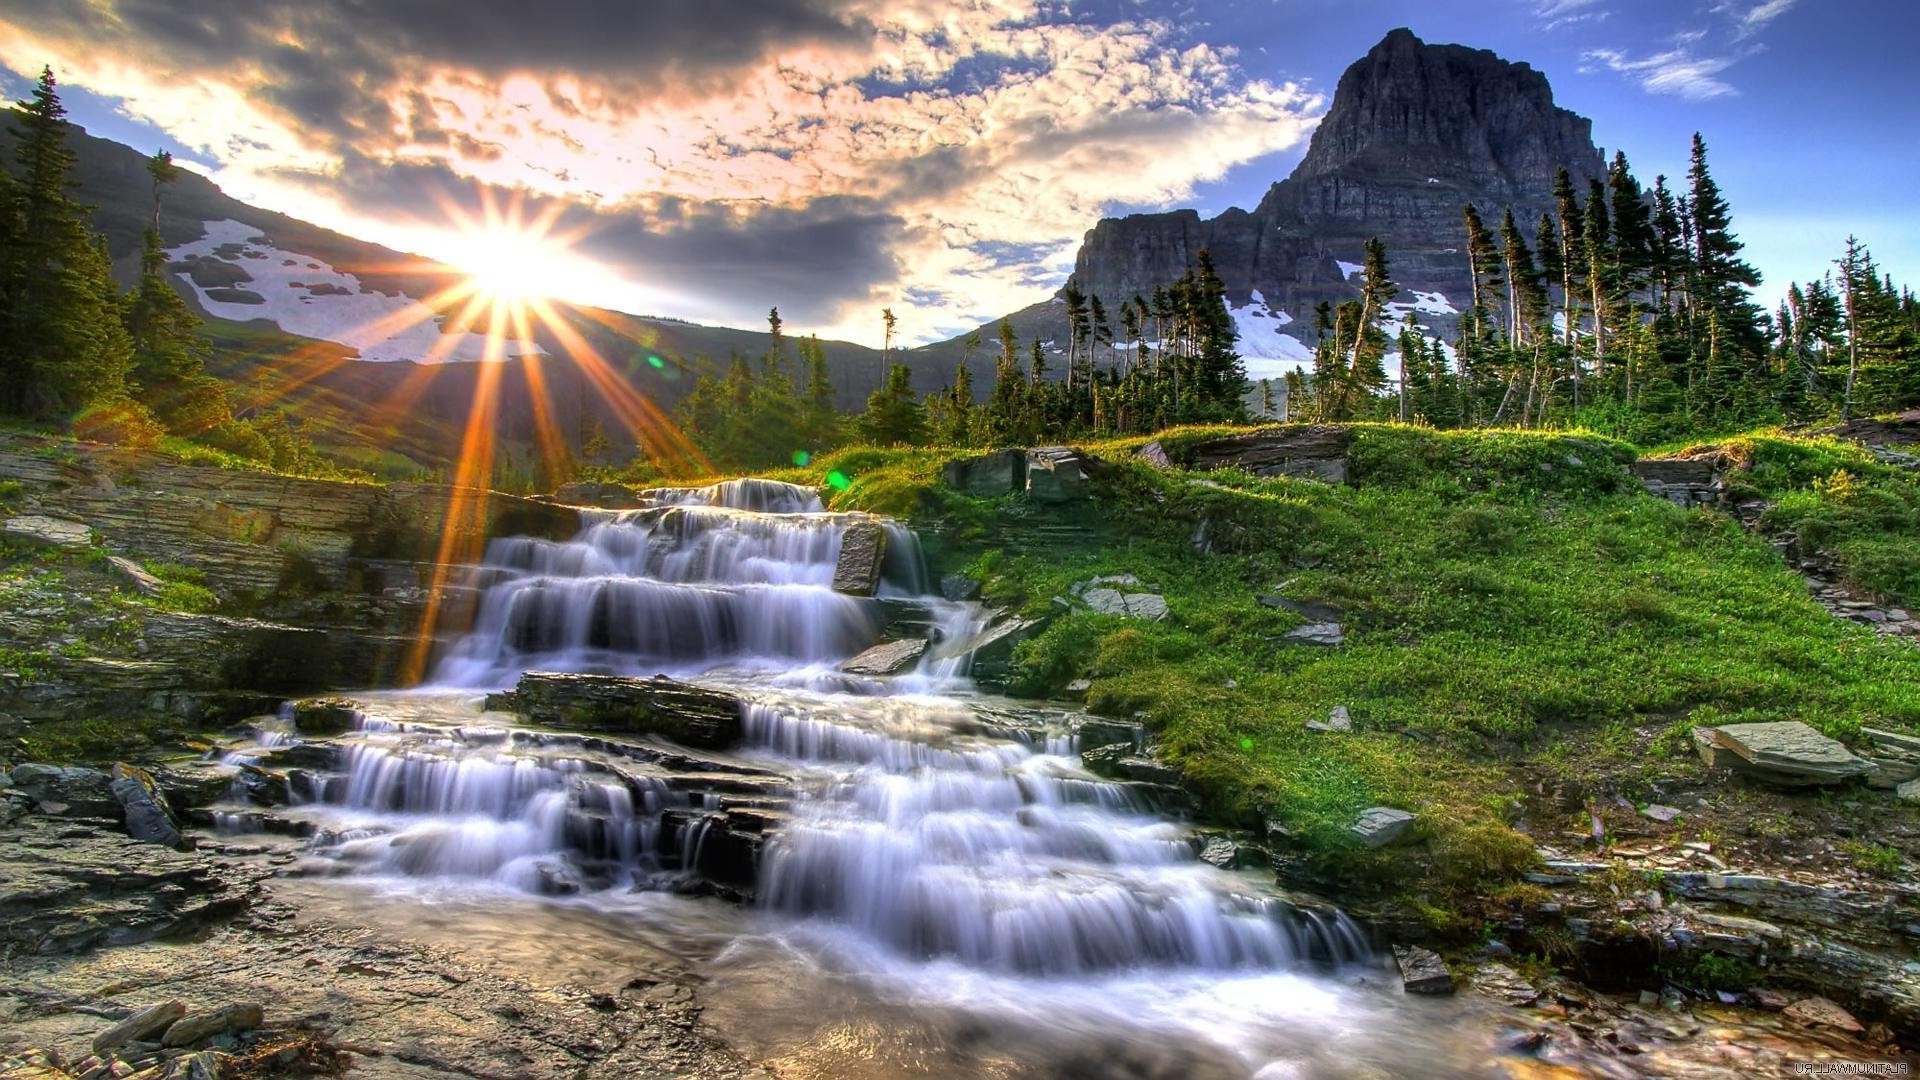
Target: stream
[{"x": 914, "y": 878}]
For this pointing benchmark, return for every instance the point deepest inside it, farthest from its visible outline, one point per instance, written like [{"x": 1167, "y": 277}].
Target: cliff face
[{"x": 1415, "y": 131}]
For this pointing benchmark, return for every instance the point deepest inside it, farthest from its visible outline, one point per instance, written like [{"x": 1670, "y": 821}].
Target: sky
[{"x": 709, "y": 159}]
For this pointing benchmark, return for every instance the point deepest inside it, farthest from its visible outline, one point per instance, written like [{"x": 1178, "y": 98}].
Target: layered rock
[{"x": 688, "y": 714}]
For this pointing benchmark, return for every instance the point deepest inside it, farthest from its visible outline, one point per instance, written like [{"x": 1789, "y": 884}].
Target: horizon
[{"x": 970, "y": 202}]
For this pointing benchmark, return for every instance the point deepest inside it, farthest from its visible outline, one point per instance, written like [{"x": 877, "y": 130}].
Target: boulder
[
  {"x": 1059, "y": 474},
  {"x": 148, "y": 816},
  {"x": 1139, "y": 605},
  {"x": 228, "y": 1020},
  {"x": 1221, "y": 852},
  {"x": 959, "y": 587},
  {"x": 1327, "y": 634},
  {"x": 862, "y": 561},
  {"x": 1382, "y": 825},
  {"x": 1313, "y": 451},
  {"x": 145, "y": 1025},
  {"x": 325, "y": 716},
  {"x": 38, "y": 530},
  {"x": 1093, "y": 732},
  {"x": 1001, "y": 472},
  {"x": 1786, "y": 753},
  {"x": 1892, "y": 741},
  {"x": 1422, "y": 971},
  {"x": 1118, "y": 761},
  {"x": 887, "y": 658},
  {"x": 687, "y": 714},
  {"x": 1909, "y": 792},
  {"x": 1820, "y": 1012},
  {"x": 607, "y": 496},
  {"x": 1154, "y": 454},
  {"x": 68, "y": 790}
]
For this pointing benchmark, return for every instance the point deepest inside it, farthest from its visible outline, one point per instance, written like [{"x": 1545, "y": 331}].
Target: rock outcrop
[
  {"x": 1313, "y": 451},
  {"x": 687, "y": 714},
  {"x": 1784, "y": 753}
]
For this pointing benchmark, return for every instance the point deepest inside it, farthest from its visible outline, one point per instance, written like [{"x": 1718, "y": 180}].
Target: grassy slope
[{"x": 1516, "y": 609}]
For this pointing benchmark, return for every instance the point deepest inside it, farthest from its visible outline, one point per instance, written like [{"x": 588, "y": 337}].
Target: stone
[
  {"x": 68, "y": 790},
  {"x": 227, "y": 1020},
  {"x": 1306, "y": 609},
  {"x": 959, "y": 587},
  {"x": 1892, "y": 741},
  {"x": 1786, "y": 753},
  {"x": 1693, "y": 481},
  {"x": 862, "y": 561},
  {"x": 1422, "y": 971},
  {"x": 1502, "y": 983},
  {"x": 1077, "y": 689},
  {"x": 135, "y": 575},
  {"x": 1327, "y": 634},
  {"x": 325, "y": 716},
  {"x": 991, "y": 649},
  {"x": 1093, "y": 732},
  {"x": 1909, "y": 792},
  {"x": 148, "y": 817},
  {"x": 1221, "y": 852},
  {"x": 1382, "y": 825},
  {"x": 1312, "y": 451},
  {"x": 599, "y": 493},
  {"x": 146, "y": 1025},
  {"x": 1136, "y": 605},
  {"x": 1665, "y": 815},
  {"x": 39, "y": 530},
  {"x": 1154, "y": 454},
  {"x": 1001, "y": 472},
  {"x": 887, "y": 658},
  {"x": 1889, "y": 773},
  {"x": 1821, "y": 1012},
  {"x": 1118, "y": 761},
  {"x": 687, "y": 714},
  {"x": 1060, "y": 474},
  {"x": 1337, "y": 720}
]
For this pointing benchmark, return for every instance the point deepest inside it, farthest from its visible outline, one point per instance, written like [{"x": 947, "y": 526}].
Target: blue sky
[{"x": 709, "y": 159}]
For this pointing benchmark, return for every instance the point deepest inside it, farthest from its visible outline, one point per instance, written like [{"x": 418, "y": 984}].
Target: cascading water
[{"x": 903, "y": 829}]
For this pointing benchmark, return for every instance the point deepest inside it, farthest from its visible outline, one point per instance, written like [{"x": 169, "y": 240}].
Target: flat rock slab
[
  {"x": 1313, "y": 451},
  {"x": 887, "y": 658},
  {"x": 39, "y": 530},
  {"x": 1786, "y": 752},
  {"x": 1059, "y": 474},
  {"x": 999, "y": 473},
  {"x": 1327, "y": 634},
  {"x": 1422, "y": 971},
  {"x": 687, "y": 714}
]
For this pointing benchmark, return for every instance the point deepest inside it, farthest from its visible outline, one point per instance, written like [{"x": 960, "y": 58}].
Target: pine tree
[
  {"x": 1723, "y": 277},
  {"x": 819, "y": 422},
  {"x": 169, "y": 350}
]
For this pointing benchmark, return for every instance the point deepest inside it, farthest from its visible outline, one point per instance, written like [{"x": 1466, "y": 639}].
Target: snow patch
[
  {"x": 1348, "y": 269},
  {"x": 1267, "y": 353},
  {"x": 1423, "y": 303},
  {"x": 305, "y": 296}
]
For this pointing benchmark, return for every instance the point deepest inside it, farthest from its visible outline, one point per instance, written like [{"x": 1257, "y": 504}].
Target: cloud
[
  {"x": 1757, "y": 17},
  {"x": 1554, "y": 14},
  {"x": 1676, "y": 71}
]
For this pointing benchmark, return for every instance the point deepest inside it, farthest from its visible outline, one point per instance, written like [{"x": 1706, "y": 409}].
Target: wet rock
[
  {"x": 146, "y": 1025},
  {"x": 1094, "y": 732},
  {"x": 1502, "y": 983},
  {"x": 887, "y": 658},
  {"x": 1382, "y": 825},
  {"x": 227, "y": 1020},
  {"x": 999, "y": 473},
  {"x": 687, "y": 714},
  {"x": 1909, "y": 792},
  {"x": 39, "y": 530},
  {"x": 1328, "y": 634},
  {"x": 1785, "y": 753},
  {"x": 68, "y": 790},
  {"x": 605, "y": 495},
  {"x": 1422, "y": 971},
  {"x": 1118, "y": 761},
  {"x": 325, "y": 716},
  {"x": 148, "y": 817},
  {"x": 1059, "y": 474},
  {"x": 1221, "y": 852},
  {"x": 863, "y": 559},
  {"x": 1820, "y": 1012},
  {"x": 992, "y": 649},
  {"x": 959, "y": 587},
  {"x": 1313, "y": 451}
]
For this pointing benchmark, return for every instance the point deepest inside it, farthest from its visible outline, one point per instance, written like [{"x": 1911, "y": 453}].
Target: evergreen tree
[
  {"x": 893, "y": 415},
  {"x": 169, "y": 350}
]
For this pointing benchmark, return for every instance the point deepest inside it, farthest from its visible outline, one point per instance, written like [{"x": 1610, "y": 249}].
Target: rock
[
  {"x": 1313, "y": 451},
  {"x": 605, "y": 495},
  {"x": 1665, "y": 815},
  {"x": 68, "y": 790},
  {"x": 1077, "y": 689},
  {"x": 687, "y": 714},
  {"x": 1909, "y": 792},
  {"x": 1337, "y": 720},
  {"x": 1889, "y": 773},
  {"x": 1117, "y": 761},
  {"x": 1422, "y": 971},
  {"x": 1306, "y": 609},
  {"x": 1092, "y": 732},
  {"x": 194, "y": 784},
  {"x": 1221, "y": 852},
  {"x": 1693, "y": 481},
  {"x": 1382, "y": 825},
  {"x": 959, "y": 587},
  {"x": 1154, "y": 454},
  {"x": 1059, "y": 474},
  {"x": 1787, "y": 753},
  {"x": 228, "y": 1020},
  {"x": 38, "y": 530},
  {"x": 862, "y": 561},
  {"x": 887, "y": 658},
  {"x": 325, "y": 716},
  {"x": 1138, "y": 605},
  {"x": 1892, "y": 741},
  {"x": 1502, "y": 983},
  {"x": 148, "y": 817},
  {"x": 136, "y": 575},
  {"x": 992, "y": 649},
  {"x": 143, "y": 1026},
  {"x": 1820, "y": 1012},
  {"x": 999, "y": 473},
  {"x": 1328, "y": 634}
]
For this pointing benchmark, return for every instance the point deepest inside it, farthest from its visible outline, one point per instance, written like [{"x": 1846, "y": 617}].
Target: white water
[{"x": 932, "y": 861}]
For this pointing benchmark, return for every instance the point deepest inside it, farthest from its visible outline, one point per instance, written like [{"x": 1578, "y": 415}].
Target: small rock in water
[
  {"x": 1382, "y": 825},
  {"x": 325, "y": 716},
  {"x": 959, "y": 587},
  {"x": 887, "y": 658},
  {"x": 1221, "y": 852},
  {"x": 1422, "y": 971},
  {"x": 142, "y": 1026},
  {"x": 148, "y": 817}
]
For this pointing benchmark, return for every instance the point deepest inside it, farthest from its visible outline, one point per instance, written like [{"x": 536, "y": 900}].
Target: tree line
[{"x": 76, "y": 350}]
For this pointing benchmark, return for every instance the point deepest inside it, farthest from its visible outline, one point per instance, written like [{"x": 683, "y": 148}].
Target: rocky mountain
[{"x": 1415, "y": 131}]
